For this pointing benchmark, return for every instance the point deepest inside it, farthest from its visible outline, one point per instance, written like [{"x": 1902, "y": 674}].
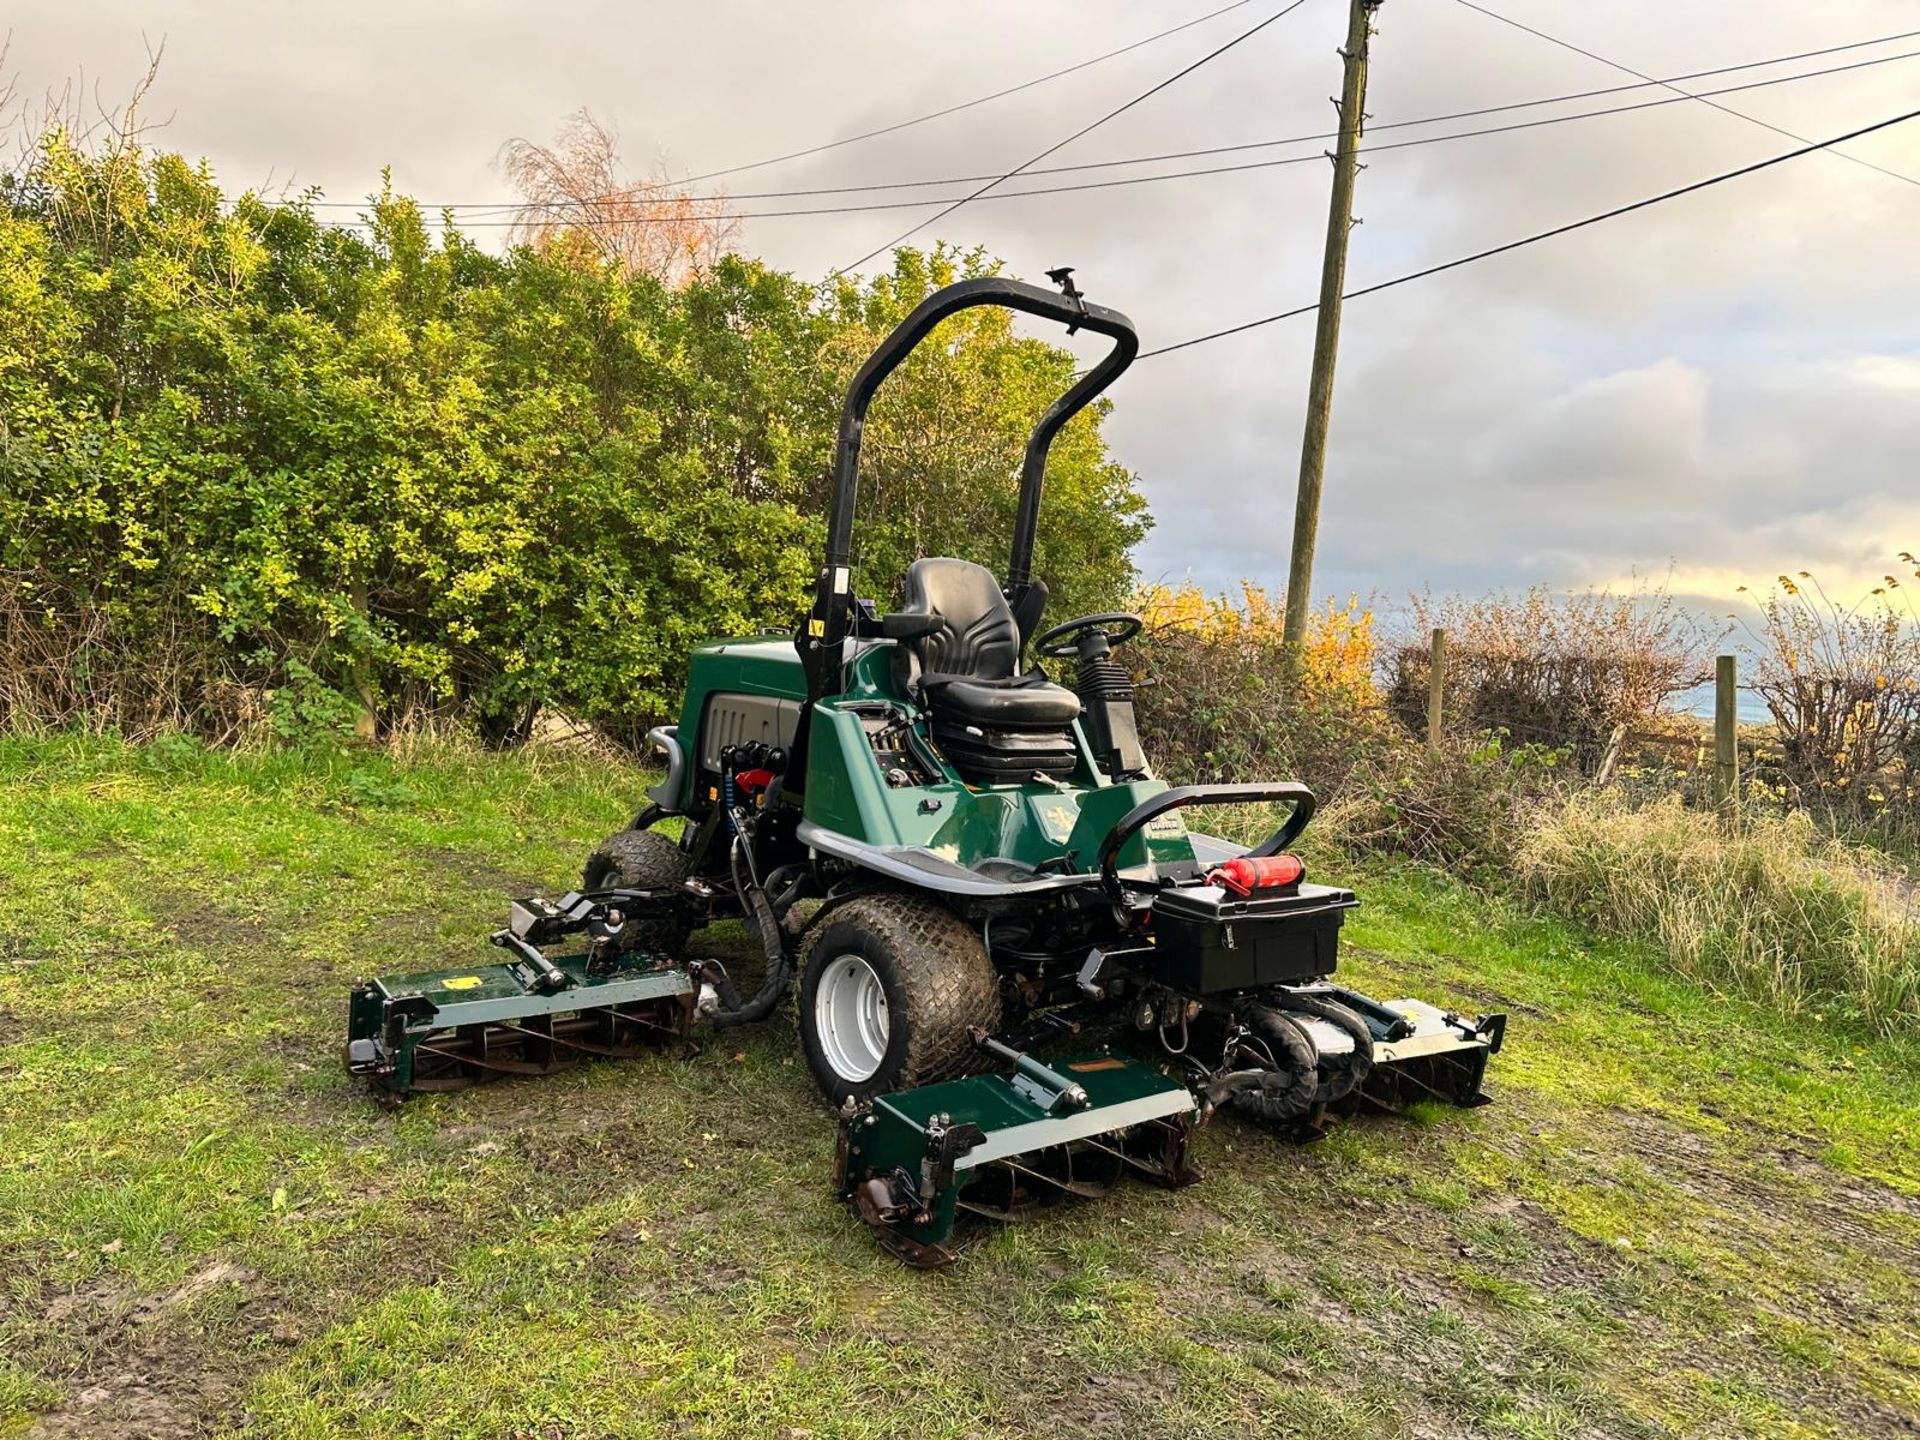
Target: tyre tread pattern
[
  {"x": 641, "y": 860},
  {"x": 942, "y": 966}
]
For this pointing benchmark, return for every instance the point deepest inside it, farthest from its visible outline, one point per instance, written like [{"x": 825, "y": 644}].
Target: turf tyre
[
  {"x": 937, "y": 979},
  {"x": 642, "y": 860}
]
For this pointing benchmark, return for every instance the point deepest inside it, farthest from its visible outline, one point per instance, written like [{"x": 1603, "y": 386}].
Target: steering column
[{"x": 1104, "y": 687}]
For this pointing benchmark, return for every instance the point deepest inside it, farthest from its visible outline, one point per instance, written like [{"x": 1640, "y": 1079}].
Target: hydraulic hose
[
  {"x": 772, "y": 940},
  {"x": 1279, "y": 1094},
  {"x": 1353, "y": 1074}
]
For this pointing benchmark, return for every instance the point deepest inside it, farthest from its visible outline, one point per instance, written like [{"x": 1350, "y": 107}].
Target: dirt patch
[
  {"x": 1863, "y": 1213},
  {"x": 1804, "y": 1235},
  {"x": 200, "y": 925},
  {"x": 141, "y": 1383},
  {"x": 1123, "y": 1404},
  {"x": 151, "y": 1400},
  {"x": 103, "y": 1304},
  {"x": 1495, "y": 1000},
  {"x": 483, "y": 874}
]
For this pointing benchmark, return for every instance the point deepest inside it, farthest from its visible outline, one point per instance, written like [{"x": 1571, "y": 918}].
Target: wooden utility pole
[{"x": 1326, "y": 333}]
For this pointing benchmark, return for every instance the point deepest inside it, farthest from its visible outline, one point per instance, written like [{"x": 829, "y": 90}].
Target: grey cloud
[{"x": 1723, "y": 383}]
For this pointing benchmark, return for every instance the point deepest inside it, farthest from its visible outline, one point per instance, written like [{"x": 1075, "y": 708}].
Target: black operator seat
[{"x": 989, "y": 719}]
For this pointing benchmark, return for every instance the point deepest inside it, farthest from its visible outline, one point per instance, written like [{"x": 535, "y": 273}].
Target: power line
[
  {"x": 1723, "y": 109},
  {"x": 1534, "y": 239},
  {"x": 1373, "y": 127},
  {"x": 1129, "y": 180},
  {"x": 967, "y": 104},
  {"x": 1084, "y": 130}
]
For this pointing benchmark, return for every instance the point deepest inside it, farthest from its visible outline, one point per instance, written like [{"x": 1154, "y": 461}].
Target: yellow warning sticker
[
  {"x": 460, "y": 982},
  {"x": 1056, "y": 819}
]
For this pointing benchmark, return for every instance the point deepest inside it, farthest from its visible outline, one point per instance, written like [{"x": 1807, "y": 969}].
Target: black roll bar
[
  {"x": 823, "y": 637},
  {"x": 1184, "y": 795}
]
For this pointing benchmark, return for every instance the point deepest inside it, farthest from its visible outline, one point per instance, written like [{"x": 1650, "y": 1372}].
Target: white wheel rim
[{"x": 850, "y": 1017}]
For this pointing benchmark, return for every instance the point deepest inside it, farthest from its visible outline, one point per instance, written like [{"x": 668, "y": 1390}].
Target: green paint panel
[
  {"x": 397, "y": 1012},
  {"x": 966, "y": 824},
  {"x": 761, "y": 665},
  {"x": 992, "y": 1103},
  {"x": 489, "y": 993},
  {"x": 847, "y": 793},
  {"x": 894, "y": 1135}
]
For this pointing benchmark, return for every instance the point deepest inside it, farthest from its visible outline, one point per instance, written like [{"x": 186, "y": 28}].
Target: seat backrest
[{"x": 976, "y": 639}]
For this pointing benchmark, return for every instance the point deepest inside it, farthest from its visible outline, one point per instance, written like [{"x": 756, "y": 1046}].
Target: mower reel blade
[
  {"x": 994, "y": 1145},
  {"x": 447, "y": 1029}
]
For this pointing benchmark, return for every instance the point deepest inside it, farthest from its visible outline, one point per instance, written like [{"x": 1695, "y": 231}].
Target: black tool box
[{"x": 1208, "y": 939}]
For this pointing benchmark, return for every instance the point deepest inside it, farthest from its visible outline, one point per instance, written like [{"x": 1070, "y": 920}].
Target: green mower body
[
  {"x": 752, "y": 690},
  {"x": 963, "y": 867}
]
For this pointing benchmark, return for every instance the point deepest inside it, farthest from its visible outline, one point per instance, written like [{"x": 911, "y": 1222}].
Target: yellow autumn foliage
[
  {"x": 1339, "y": 651},
  {"x": 1219, "y": 699}
]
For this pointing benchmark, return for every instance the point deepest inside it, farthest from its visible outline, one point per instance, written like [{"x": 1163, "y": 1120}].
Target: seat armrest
[{"x": 905, "y": 625}]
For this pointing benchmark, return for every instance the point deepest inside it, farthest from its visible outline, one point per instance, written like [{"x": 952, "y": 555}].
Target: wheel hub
[{"x": 850, "y": 1017}]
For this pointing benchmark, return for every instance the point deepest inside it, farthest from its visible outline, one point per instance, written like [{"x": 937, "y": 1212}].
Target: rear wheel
[
  {"x": 890, "y": 986},
  {"x": 642, "y": 860}
]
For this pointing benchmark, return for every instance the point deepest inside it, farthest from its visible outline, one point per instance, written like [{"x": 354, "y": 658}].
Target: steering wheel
[{"x": 1066, "y": 641}]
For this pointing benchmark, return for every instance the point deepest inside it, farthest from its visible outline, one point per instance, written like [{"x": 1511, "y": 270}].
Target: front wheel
[
  {"x": 890, "y": 986},
  {"x": 642, "y": 860}
]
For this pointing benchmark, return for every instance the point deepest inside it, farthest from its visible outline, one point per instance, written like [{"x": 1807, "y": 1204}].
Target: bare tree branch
[{"x": 577, "y": 199}]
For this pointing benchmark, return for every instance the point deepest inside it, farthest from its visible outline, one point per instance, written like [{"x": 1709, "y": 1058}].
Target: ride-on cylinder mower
[{"x": 1020, "y": 974}]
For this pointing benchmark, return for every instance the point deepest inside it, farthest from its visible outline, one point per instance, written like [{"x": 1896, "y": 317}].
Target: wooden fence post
[
  {"x": 1436, "y": 688},
  {"x": 1726, "y": 737}
]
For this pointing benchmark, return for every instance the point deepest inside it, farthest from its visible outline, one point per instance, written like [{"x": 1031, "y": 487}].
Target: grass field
[{"x": 1681, "y": 1217}]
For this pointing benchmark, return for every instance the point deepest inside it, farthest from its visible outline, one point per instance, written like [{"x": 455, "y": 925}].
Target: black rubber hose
[
  {"x": 779, "y": 966},
  {"x": 1278, "y": 1095},
  {"x": 1353, "y": 1074}
]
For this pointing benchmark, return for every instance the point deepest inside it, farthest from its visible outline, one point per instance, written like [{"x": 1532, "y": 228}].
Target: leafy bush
[
  {"x": 1464, "y": 806},
  {"x": 1558, "y": 670},
  {"x": 255, "y": 467},
  {"x": 1843, "y": 686},
  {"x": 1773, "y": 908},
  {"x": 1216, "y": 700}
]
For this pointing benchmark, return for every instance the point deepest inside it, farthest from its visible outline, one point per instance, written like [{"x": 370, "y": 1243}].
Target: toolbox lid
[{"x": 1214, "y": 902}]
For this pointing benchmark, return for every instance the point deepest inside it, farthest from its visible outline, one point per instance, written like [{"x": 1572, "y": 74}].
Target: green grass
[{"x": 1683, "y": 1216}]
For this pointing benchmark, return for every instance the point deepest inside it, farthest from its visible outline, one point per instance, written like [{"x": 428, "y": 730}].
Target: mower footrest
[{"x": 991, "y": 1145}]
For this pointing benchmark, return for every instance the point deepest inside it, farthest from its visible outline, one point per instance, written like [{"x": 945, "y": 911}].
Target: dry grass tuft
[
  {"x": 1773, "y": 908},
  {"x": 1564, "y": 670}
]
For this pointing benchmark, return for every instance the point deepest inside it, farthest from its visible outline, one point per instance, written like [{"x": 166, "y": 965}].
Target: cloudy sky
[{"x": 1703, "y": 394}]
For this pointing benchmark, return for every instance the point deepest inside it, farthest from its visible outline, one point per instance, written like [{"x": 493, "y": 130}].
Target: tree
[
  {"x": 577, "y": 200},
  {"x": 250, "y": 459}
]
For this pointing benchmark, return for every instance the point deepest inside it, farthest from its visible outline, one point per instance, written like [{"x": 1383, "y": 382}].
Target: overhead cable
[
  {"x": 1373, "y": 127},
  {"x": 1391, "y": 145},
  {"x": 1153, "y": 90},
  {"x": 1723, "y": 109},
  {"x": 966, "y": 104},
  {"x": 1538, "y": 236}
]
